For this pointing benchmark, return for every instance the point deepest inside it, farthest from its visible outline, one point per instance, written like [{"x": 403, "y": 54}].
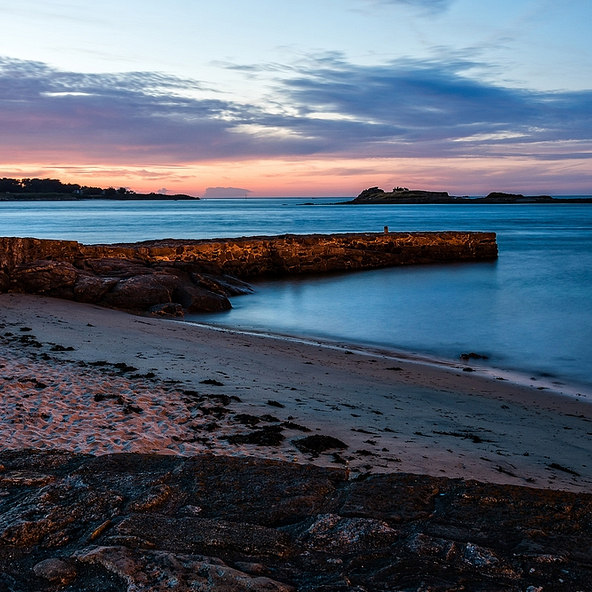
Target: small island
[{"x": 402, "y": 195}]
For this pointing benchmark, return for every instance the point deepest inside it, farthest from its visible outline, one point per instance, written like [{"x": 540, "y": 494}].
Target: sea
[{"x": 529, "y": 313}]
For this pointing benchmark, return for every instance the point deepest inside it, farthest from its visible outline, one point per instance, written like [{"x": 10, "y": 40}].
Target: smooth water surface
[{"x": 529, "y": 311}]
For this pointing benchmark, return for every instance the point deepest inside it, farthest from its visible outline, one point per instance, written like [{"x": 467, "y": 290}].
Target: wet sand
[{"x": 86, "y": 379}]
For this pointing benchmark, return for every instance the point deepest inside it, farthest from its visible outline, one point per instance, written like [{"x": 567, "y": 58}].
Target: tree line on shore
[{"x": 35, "y": 185}]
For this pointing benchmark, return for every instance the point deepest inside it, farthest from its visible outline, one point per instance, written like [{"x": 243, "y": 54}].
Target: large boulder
[
  {"x": 194, "y": 298},
  {"x": 54, "y": 278},
  {"x": 142, "y": 291},
  {"x": 126, "y": 284},
  {"x": 90, "y": 288}
]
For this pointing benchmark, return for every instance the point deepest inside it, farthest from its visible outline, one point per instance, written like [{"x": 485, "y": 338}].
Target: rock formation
[
  {"x": 168, "y": 277},
  {"x": 402, "y": 195},
  {"x": 129, "y": 284},
  {"x": 153, "y": 523}
]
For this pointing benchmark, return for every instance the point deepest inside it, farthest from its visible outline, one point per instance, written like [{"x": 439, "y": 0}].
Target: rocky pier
[{"x": 170, "y": 277}]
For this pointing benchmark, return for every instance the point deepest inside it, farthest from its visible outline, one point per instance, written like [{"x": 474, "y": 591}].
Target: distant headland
[
  {"x": 54, "y": 190},
  {"x": 402, "y": 195}
]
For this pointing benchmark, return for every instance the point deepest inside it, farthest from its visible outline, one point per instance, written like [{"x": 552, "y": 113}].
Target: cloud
[
  {"x": 109, "y": 118},
  {"x": 430, "y": 6},
  {"x": 226, "y": 192},
  {"x": 325, "y": 107},
  {"x": 429, "y": 108}
]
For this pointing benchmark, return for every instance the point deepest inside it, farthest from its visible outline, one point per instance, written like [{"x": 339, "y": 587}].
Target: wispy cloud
[
  {"x": 430, "y": 6},
  {"x": 136, "y": 116},
  {"x": 425, "y": 107},
  {"x": 326, "y": 106}
]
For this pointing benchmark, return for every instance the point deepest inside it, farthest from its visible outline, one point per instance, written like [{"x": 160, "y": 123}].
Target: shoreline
[
  {"x": 554, "y": 386},
  {"x": 212, "y": 389}
]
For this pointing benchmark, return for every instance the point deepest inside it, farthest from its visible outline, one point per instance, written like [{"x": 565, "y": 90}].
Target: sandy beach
[{"x": 86, "y": 379}]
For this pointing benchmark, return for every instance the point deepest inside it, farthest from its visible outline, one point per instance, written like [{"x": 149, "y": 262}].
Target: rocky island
[{"x": 402, "y": 195}]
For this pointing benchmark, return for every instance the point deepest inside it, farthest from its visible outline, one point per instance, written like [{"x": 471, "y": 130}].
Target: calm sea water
[{"x": 530, "y": 311}]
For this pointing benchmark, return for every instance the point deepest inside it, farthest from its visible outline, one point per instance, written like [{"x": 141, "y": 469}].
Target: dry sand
[{"x": 61, "y": 389}]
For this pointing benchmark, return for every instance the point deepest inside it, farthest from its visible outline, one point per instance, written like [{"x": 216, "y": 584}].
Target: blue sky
[{"x": 315, "y": 98}]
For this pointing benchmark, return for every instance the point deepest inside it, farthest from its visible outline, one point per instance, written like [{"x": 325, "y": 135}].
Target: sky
[{"x": 315, "y": 98}]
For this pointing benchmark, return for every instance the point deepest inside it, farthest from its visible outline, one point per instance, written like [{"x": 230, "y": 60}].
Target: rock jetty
[
  {"x": 170, "y": 277},
  {"x": 129, "y": 522}
]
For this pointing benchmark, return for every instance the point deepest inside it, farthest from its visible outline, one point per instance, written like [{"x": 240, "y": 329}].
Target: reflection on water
[{"x": 442, "y": 311}]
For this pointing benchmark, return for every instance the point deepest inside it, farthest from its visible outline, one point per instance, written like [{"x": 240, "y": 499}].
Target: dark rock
[
  {"x": 142, "y": 291},
  {"x": 202, "y": 535},
  {"x": 295, "y": 426},
  {"x": 424, "y": 545},
  {"x": 195, "y": 298},
  {"x": 394, "y": 498},
  {"x": 61, "y": 348},
  {"x": 124, "y": 283},
  {"x": 154, "y": 571},
  {"x": 45, "y": 277},
  {"x": 211, "y": 381},
  {"x": 55, "y": 570},
  {"x": 274, "y": 494},
  {"x": 266, "y": 436},
  {"x": 153, "y": 523},
  {"x": 345, "y": 536},
  {"x": 116, "y": 267},
  {"x": 273, "y": 403},
  {"x": 318, "y": 444},
  {"x": 472, "y": 356},
  {"x": 4, "y": 282},
  {"x": 222, "y": 284},
  {"x": 168, "y": 310},
  {"x": 247, "y": 419},
  {"x": 90, "y": 288}
]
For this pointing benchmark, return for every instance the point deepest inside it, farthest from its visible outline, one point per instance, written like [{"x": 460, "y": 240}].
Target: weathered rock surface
[
  {"x": 127, "y": 284},
  {"x": 154, "y": 523},
  {"x": 200, "y": 275}
]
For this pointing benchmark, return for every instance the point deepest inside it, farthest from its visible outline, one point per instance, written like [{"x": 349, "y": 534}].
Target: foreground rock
[
  {"x": 162, "y": 289},
  {"x": 151, "y": 523}
]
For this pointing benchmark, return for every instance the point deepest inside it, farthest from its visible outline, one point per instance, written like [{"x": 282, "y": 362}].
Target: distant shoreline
[
  {"x": 117, "y": 197},
  {"x": 584, "y": 199}
]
